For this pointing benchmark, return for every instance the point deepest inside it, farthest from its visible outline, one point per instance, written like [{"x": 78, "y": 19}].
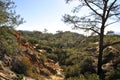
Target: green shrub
[
  {"x": 92, "y": 77},
  {"x": 85, "y": 77},
  {"x": 20, "y": 76},
  {"x": 76, "y": 78},
  {"x": 53, "y": 56},
  {"x": 33, "y": 41},
  {"x": 86, "y": 66},
  {"x": 72, "y": 71},
  {"x": 8, "y": 43},
  {"x": 43, "y": 57},
  {"x": 113, "y": 74},
  {"x": 20, "y": 67}
]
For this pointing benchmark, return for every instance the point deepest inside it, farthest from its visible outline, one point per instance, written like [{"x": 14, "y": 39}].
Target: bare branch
[
  {"x": 104, "y": 13},
  {"x": 116, "y": 7},
  {"x": 92, "y": 8},
  {"x": 76, "y": 9},
  {"x": 110, "y": 44},
  {"x": 97, "y": 5},
  {"x": 87, "y": 29},
  {"x": 110, "y": 8},
  {"x": 112, "y": 23},
  {"x": 67, "y": 1},
  {"x": 94, "y": 31},
  {"x": 114, "y": 14}
]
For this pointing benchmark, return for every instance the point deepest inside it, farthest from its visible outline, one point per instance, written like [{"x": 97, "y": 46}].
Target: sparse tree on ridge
[
  {"x": 8, "y": 16},
  {"x": 101, "y": 14},
  {"x": 110, "y": 32}
]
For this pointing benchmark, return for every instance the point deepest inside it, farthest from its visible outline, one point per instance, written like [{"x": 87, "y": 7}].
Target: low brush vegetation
[
  {"x": 76, "y": 54},
  {"x": 8, "y": 44}
]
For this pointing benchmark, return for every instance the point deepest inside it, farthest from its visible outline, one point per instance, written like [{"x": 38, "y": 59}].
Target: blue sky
[
  {"x": 46, "y": 14},
  {"x": 41, "y": 14}
]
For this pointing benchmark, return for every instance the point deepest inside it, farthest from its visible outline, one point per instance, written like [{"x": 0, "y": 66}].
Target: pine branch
[
  {"x": 92, "y": 8},
  {"x": 87, "y": 29},
  {"x": 111, "y": 44}
]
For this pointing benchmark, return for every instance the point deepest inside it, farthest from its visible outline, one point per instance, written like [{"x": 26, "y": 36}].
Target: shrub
[
  {"x": 8, "y": 44},
  {"x": 33, "y": 41},
  {"x": 76, "y": 78},
  {"x": 92, "y": 77},
  {"x": 85, "y": 77},
  {"x": 53, "y": 56},
  {"x": 86, "y": 66},
  {"x": 113, "y": 74},
  {"x": 20, "y": 67},
  {"x": 43, "y": 57},
  {"x": 20, "y": 76},
  {"x": 72, "y": 71}
]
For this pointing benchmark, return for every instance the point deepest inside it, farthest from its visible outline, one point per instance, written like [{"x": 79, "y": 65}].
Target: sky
[
  {"x": 43, "y": 14},
  {"x": 46, "y": 14}
]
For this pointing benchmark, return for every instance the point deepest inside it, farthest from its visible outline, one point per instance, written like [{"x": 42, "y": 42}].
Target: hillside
[
  {"x": 61, "y": 56},
  {"x": 21, "y": 60}
]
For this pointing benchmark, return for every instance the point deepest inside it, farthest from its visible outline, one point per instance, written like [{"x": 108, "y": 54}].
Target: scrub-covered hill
[
  {"x": 60, "y": 56},
  {"x": 20, "y": 59}
]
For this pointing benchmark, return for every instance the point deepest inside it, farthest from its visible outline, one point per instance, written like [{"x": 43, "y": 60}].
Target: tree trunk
[{"x": 99, "y": 67}]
